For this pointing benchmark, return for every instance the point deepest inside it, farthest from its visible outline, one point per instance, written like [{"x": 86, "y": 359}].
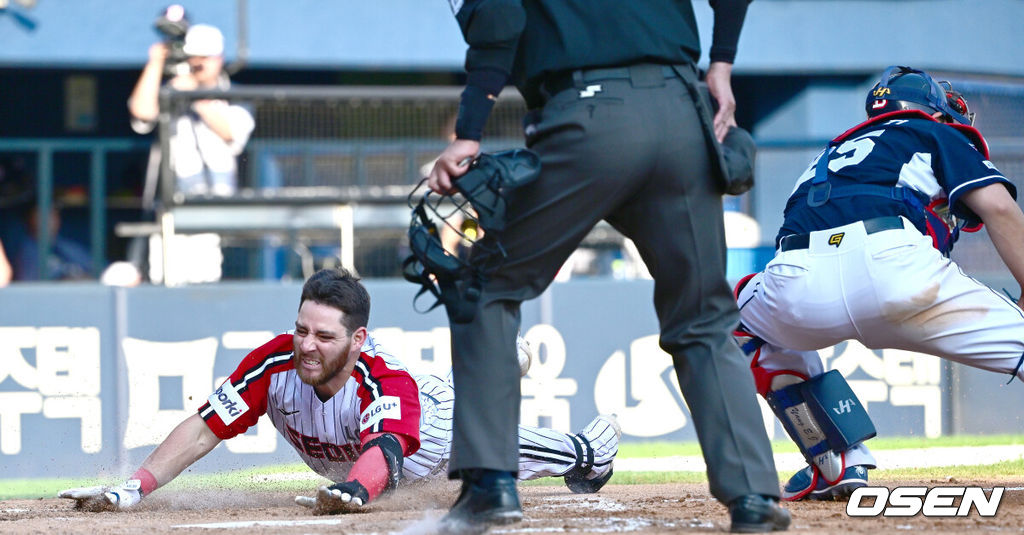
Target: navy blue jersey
[{"x": 939, "y": 162}]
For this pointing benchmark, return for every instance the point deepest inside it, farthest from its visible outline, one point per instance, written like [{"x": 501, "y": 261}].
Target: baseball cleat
[
  {"x": 596, "y": 447},
  {"x": 754, "y": 513},
  {"x": 808, "y": 484},
  {"x": 488, "y": 498}
]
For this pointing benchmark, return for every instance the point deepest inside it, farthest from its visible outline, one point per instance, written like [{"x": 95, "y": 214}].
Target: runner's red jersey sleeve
[
  {"x": 389, "y": 400},
  {"x": 238, "y": 403}
]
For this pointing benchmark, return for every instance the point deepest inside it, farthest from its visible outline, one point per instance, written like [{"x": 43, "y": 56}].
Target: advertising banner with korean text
[{"x": 92, "y": 378}]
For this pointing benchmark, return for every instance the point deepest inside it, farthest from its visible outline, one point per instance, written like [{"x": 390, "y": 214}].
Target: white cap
[
  {"x": 203, "y": 40},
  {"x": 121, "y": 273}
]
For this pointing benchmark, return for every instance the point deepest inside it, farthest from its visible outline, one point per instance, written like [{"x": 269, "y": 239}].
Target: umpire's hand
[
  {"x": 451, "y": 164},
  {"x": 719, "y": 79},
  {"x": 96, "y": 499}
]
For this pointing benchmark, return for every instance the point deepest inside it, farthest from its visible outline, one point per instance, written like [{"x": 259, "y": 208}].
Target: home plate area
[{"x": 661, "y": 508}]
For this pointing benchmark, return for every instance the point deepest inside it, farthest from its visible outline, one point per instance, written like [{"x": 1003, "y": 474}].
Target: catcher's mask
[
  {"x": 476, "y": 214},
  {"x": 904, "y": 88}
]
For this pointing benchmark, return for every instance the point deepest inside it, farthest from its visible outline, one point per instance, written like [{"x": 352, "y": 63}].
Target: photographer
[{"x": 205, "y": 137}]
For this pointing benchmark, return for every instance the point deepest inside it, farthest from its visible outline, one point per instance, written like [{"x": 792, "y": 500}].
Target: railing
[
  {"x": 350, "y": 154},
  {"x": 362, "y": 148},
  {"x": 97, "y": 149}
]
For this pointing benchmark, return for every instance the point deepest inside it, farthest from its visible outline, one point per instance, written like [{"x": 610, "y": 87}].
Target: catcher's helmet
[{"x": 904, "y": 88}]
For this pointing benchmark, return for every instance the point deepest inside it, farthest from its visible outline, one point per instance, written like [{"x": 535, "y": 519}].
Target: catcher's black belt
[
  {"x": 647, "y": 73},
  {"x": 876, "y": 224}
]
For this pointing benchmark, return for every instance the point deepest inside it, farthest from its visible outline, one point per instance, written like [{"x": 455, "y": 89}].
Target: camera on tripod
[{"x": 172, "y": 24}]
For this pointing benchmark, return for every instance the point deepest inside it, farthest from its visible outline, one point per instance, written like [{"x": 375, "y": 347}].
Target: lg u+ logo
[{"x": 936, "y": 502}]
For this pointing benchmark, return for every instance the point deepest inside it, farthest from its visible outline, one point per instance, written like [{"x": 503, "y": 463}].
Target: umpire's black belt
[
  {"x": 641, "y": 75},
  {"x": 876, "y": 224}
]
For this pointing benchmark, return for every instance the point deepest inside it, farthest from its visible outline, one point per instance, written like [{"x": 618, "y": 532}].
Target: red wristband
[
  {"x": 373, "y": 469},
  {"x": 147, "y": 483}
]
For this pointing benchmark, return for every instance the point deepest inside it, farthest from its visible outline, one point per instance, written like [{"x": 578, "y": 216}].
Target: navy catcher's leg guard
[{"x": 825, "y": 418}]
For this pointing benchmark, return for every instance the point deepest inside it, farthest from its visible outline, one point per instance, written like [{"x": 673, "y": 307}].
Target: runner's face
[{"x": 323, "y": 346}]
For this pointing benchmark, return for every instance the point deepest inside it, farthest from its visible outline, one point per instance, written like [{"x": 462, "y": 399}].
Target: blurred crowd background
[{"x": 330, "y": 111}]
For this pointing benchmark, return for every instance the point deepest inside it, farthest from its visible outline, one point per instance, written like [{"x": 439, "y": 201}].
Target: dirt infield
[{"x": 667, "y": 508}]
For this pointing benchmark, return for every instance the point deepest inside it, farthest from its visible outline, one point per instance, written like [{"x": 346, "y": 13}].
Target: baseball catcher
[
  {"x": 863, "y": 254},
  {"x": 353, "y": 413}
]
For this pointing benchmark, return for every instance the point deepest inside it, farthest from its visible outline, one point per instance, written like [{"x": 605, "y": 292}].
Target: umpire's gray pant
[{"x": 631, "y": 151}]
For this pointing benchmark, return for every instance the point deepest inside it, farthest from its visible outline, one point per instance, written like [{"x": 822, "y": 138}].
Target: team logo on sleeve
[
  {"x": 836, "y": 239},
  {"x": 227, "y": 403},
  {"x": 383, "y": 407}
]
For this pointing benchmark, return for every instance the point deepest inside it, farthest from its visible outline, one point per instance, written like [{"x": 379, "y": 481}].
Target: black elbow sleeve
[
  {"x": 729, "y": 15},
  {"x": 393, "y": 456},
  {"x": 495, "y": 23}
]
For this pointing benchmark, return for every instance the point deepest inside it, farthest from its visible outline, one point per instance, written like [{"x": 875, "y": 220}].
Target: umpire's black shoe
[
  {"x": 488, "y": 498},
  {"x": 754, "y": 513}
]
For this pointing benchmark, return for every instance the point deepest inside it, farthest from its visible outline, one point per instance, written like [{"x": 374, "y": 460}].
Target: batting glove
[
  {"x": 345, "y": 497},
  {"x": 95, "y": 499}
]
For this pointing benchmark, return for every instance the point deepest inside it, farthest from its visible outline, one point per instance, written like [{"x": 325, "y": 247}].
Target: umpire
[{"x": 623, "y": 136}]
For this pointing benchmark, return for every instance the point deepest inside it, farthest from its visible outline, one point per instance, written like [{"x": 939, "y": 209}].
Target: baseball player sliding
[
  {"x": 863, "y": 254},
  {"x": 352, "y": 412}
]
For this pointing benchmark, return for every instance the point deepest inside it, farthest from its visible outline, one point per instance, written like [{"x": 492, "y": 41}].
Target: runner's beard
[{"x": 329, "y": 368}]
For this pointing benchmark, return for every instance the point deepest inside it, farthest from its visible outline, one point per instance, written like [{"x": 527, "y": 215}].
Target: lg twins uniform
[
  {"x": 862, "y": 254},
  {"x": 380, "y": 396}
]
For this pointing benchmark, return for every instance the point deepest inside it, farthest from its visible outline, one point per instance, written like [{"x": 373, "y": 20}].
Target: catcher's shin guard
[
  {"x": 821, "y": 414},
  {"x": 767, "y": 382}
]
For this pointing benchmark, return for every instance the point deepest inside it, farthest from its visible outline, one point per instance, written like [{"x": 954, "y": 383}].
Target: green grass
[
  {"x": 236, "y": 479},
  {"x": 1001, "y": 470},
  {"x": 669, "y": 449},
  {"x": 39, "y": 488},
  {"x": 630, "y": 478},
  {"x": 250, "y": 478}
]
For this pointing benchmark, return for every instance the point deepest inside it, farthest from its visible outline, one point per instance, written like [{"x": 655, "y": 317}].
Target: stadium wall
[
  {"x": 791, "y": 36},
  {"x": 93, "y": 377}
]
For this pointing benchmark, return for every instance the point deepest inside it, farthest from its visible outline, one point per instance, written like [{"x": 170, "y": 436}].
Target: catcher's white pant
[
  {"x": 542, "y": 452},
  {"x": 890, "y": 289}
]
